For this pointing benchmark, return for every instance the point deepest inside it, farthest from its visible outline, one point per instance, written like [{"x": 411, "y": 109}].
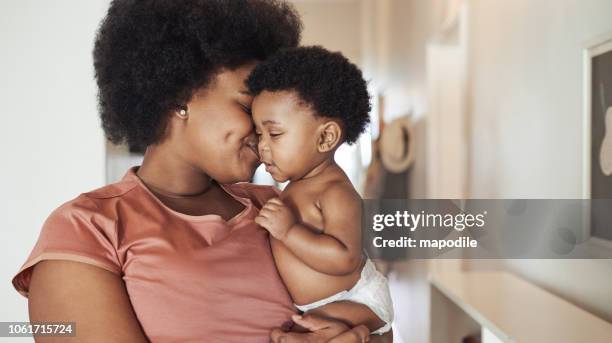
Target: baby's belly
[{"x": 305, "y": 284}]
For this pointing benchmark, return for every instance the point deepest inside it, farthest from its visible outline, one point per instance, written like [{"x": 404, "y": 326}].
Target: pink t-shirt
[{"x": 189, "y": 278}]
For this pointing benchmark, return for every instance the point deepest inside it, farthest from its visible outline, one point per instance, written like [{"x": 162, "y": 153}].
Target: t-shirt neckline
[{"x": 248, "y": 205}]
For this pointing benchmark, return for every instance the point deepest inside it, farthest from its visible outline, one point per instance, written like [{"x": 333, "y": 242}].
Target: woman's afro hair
[
  {"x": 151, "y": 55},
  {"x": 327, "y": 81}
]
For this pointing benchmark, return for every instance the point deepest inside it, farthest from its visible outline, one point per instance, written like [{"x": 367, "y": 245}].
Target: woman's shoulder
[
  {"x": 258, "y": 194},
  {"x": 95, "y": 208},
  {"x": 112, "y": 190},
  {"x": 97, "y": 200},
  {"x": 81, "y": 230}
]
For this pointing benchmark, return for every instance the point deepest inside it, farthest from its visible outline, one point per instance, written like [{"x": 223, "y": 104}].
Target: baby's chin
[{"x": 279, "y": 178}]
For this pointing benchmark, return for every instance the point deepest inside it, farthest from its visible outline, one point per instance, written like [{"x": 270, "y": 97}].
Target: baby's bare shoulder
[
  {"x": 340, "y": 193},
  {"x": 340, "y": 207}
]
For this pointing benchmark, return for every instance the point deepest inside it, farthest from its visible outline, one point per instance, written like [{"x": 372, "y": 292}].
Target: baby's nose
[{"x": 263, "y": 148}]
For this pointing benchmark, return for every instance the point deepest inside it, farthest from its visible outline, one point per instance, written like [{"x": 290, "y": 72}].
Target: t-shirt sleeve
[{"x": 76, "y": 231}]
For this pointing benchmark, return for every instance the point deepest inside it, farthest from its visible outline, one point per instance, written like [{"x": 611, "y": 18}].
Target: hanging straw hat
[{"x": 396, "y": 145}]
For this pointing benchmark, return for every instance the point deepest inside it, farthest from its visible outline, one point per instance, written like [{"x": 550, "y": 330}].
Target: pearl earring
[{"x": 183, "y": 112}]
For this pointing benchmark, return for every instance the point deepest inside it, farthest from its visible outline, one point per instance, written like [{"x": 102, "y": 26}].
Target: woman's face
[{"x": 217, "y": 134}]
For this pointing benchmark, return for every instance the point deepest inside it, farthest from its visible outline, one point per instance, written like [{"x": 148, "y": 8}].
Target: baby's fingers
[
  {"x": 270, "y": 206},
  {"x": 267, "y": 212},
  {"x": 261, "y": 221},
  {"x": 275, "y": 201}
]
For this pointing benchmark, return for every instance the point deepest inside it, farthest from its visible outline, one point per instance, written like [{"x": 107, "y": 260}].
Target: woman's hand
[{"x": 321, "y": 330}]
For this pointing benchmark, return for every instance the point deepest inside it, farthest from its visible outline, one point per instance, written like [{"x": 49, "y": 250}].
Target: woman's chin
[
  {"x": 242, "y": 172},
  {"x": 248, "y": 170}
]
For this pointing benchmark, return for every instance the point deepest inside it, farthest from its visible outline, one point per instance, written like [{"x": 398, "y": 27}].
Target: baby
[{"x": 307, "y": 102}]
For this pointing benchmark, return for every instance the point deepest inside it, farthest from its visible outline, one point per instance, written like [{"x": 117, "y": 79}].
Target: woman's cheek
[{"x": 243, "y": 124}]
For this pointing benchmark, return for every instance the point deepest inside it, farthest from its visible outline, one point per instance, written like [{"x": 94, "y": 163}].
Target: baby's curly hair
[
  {"x": 151, "y": 55},
  {"x": 327, "y": 81}
]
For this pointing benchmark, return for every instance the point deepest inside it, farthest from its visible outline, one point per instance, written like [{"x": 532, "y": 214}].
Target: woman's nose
[{"x": 251, "y": 141}]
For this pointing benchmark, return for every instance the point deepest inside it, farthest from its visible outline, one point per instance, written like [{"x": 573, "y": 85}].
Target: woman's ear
[{"x": 330, "y": 135}]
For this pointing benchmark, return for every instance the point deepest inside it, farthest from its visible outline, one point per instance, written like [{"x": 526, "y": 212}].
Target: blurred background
[{"x": 471, "y": 99}]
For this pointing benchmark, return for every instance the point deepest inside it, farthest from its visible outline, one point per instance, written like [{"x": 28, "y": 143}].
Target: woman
[{"x": 169, "y": 253}]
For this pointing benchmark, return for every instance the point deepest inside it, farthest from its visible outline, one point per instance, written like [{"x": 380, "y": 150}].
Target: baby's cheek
[{"x": 288, "y": 160}]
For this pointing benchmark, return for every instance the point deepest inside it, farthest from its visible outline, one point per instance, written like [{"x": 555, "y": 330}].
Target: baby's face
[{"x": 287, "y": 132}]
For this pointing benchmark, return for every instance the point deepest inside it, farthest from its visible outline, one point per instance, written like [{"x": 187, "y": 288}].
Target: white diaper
[{"x": 372, "y": 290}]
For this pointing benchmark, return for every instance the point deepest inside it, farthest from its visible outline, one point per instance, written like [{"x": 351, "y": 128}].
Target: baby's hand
[{"x": 276, "y": 218}]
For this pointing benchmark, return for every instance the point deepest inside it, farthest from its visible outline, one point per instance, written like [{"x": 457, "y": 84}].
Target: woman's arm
[{"x": 96, "y": 299}]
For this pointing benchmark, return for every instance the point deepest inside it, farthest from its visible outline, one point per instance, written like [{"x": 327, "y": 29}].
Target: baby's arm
[{"x": 336, "y": 251}]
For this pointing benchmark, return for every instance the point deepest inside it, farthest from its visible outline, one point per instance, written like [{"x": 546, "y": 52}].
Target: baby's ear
[{"x": 329, "y": 137}]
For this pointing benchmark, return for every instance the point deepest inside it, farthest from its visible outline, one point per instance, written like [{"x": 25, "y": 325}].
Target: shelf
[{"x": 515, "y": 310}]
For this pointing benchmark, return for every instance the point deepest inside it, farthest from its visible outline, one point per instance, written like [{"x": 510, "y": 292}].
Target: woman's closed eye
[{"x": 245, "y": 108}]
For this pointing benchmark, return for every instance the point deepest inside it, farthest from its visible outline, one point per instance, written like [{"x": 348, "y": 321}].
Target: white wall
[
  {"x": 52, "y": 146},
  {"x": 333, "y": 24},
  {"x": 526, "y": 106},
  {"x": 526, "y": 72}
]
